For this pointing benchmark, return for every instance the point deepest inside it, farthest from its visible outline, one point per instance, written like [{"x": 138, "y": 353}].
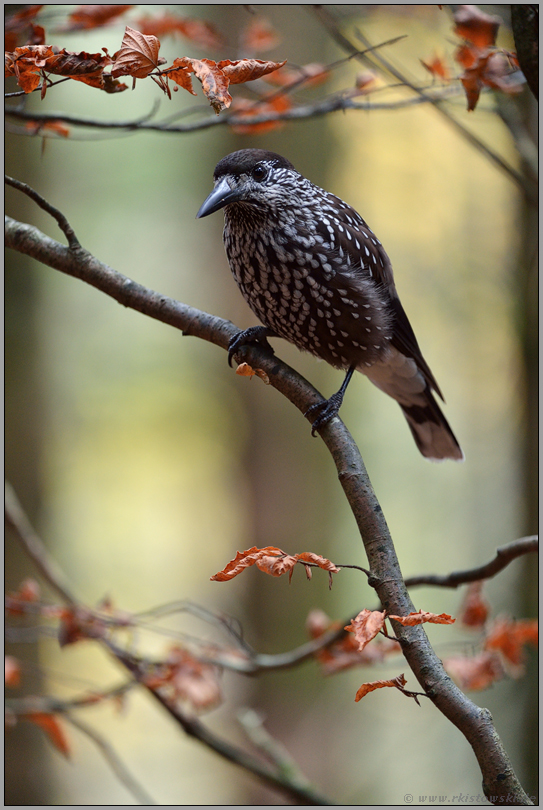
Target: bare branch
[
  {"x": 504, "y": 555},
  {"x": 63, "y": 223},
  {"x": 195, "y": 728},
  {"x": 114, "y": 761},
  {"x": 334, "y": 103},
  {"x": 16, "y": 518}
]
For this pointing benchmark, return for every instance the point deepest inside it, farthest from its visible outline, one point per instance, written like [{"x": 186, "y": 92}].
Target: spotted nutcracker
[{"x": 315, "y": 274}]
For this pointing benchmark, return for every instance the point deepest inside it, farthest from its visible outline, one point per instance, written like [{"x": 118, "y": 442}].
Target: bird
[{"x": 315, "y": 274}]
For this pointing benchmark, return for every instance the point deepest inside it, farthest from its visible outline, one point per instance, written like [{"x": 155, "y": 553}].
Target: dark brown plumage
[{"x": 315, "y": 274}]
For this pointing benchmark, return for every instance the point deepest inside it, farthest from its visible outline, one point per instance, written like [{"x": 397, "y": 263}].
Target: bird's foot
[
  {"x": 254, "y": 334},
  {"x": 324, "y": 411}
]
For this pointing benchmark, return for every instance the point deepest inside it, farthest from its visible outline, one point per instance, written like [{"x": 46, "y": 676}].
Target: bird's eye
[{"x": 260, "y": 173}]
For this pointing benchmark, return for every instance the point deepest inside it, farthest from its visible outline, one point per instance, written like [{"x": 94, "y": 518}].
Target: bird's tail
[{"x": 401, "y": 378}]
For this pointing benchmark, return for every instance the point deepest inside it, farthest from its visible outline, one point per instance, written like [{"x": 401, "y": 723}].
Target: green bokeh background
[{"x": 145, "y": 463}]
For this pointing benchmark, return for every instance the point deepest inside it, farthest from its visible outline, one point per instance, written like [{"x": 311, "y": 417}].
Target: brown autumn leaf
[
  {"x": 19, "y": 23},
  {"x": 366, "y": 80},
  {"x": 422, "y": 616},
  {"x": 309, "y": 75},
  {"x": 477, "y": 27},
  {"x": 183, "y": 678},
  {"x": 321, "y": 562},
  {"x": 437, "y": 66},
  {"x": 259, "y": 35},
  {"x": 26, "y": 64},
  {"x": 138, "y": 55},
  {"x": 494, "y": 69},
  {"x": 398, "y": 682},
  {"x": 28, "y": 592},
  {"x": 250, "y": 109},
  {"x": 94, "y": 16},
  {"x": 53, "y": 730},
  {"x": 276, "y": 566},
  {"x": 79, "y": 624},
  {"x": 344, "y": 653},
  {"x": 247, "y": 70},
  {"x": 474, "y": 611},
  {"x": 476, "y": 672},
  {"x": 366, "y": 625},
  {"x": 509, "y": 637},
  {"x": 201, "y": 32},
  {"x": 12, "y": 671},
  {"x": 243, "y": 560},
  {"x": 245, "y": 370},
  {"x": 213, "y": 80}
]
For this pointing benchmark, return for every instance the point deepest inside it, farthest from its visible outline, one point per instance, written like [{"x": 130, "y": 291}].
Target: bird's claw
[
  {"x": 325, "y": 411},
  {"x": 254, "y": 334}
]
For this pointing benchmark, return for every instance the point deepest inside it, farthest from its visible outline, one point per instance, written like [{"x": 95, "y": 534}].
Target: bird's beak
[{"x": 221, "y": 195}]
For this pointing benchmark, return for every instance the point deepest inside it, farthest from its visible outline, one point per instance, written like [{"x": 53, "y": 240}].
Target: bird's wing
[{"x": 355, "y": 239}]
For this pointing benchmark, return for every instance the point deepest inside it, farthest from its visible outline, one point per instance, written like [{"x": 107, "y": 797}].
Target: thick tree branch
[{"x": 500, "y": 783}]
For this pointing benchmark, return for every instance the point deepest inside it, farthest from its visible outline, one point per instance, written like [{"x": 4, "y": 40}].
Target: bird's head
[{"x": 253, "y": 177}]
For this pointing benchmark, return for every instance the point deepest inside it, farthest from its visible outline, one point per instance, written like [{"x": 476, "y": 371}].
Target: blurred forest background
[{"x": 145, "y": 463}]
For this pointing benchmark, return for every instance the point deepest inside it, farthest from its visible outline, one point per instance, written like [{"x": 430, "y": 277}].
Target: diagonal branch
[
  {"x": 499, "y": 779},
  {"x": 504, "y": 555}
]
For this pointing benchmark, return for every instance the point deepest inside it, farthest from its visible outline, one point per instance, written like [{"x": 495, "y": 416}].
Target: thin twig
[
  {"x": 195, "y": 728},
  {"x": 331, "y": 26},
  {"x": 335, "y": 103},
  {"x": 17, "y": 519},
  {"x": 63, "y": 223},
  {"x": 504, "y": 555},
  {"x": 113, "y": 760}
]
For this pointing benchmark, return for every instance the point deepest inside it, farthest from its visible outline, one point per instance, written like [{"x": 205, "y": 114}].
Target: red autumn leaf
[
  {"x": 259, "y": 35},
  {"x": 423, "y": 616},
  {"x": 249, "y": 109},
  {"x": 477, "y": 27},
  {"x": 247, "y": 70},
  {"x": 276, "y": 566},
  {"x": 180, "y": 74},
  {"x": 53, "y": 730},
  {"x": 398, "y": 682},
  {"x": 138, "y": 55},
  {"x": 509, "y": 637},
  {"x": 437, "y": 67},
  {"x": 93, "y": 16},
  {"x": 475, "y": 673},
  {"x": 12, "y": 671},
  {"x": 475, "y": 609},
  {"x": 493, "y": 69},
  {"x": 57, "y": 127},
  {"x": 366, "y": 625},
  {"x": 201, "y": 32}
]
